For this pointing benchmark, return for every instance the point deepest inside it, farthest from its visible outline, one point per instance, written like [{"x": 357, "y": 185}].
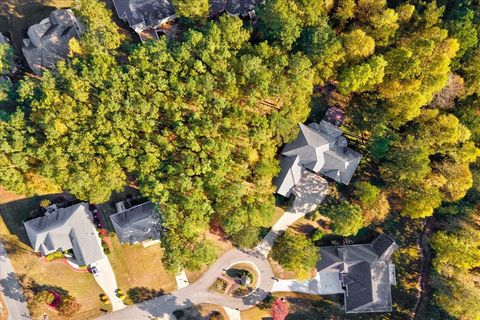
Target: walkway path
[
  {"x": 309, "y": 193},
  {"x": 232, "y": 314},
  {"x": 182, "y": 280},
  {"x": 11, "y": 290}
]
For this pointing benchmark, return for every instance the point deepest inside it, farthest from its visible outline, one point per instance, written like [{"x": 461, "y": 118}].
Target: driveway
[
  {"x": 10, "y": 289},
  {"x": 106, "y": 280},
  {"x": 197, "y": 293},
  {"x": 310, "y": 193},
  {"x": 324, "y": 283}
]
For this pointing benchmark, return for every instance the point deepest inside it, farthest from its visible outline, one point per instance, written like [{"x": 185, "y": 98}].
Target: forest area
[{"x": 196, "y": 123}]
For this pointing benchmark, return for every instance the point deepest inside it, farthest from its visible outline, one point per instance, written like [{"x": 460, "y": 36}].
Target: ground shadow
[
  {"x": 11, "y": 288},
  {"x": 15, "y": 212},
  {"x": 163, "y": 306},
  {"x": 140, "y": 294}
]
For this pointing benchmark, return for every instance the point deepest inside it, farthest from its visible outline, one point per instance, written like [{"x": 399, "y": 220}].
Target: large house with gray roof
[
  {"x": 62, "y": 229},
  {"x": 137, "y": 223},
  {"x": 320, "y": 148},
  {"x": 364, "y": 272},
  {"x": 48, "y": 41},
  {"x": 142, "y": 15},
  {"x": 146, "y": 16}
]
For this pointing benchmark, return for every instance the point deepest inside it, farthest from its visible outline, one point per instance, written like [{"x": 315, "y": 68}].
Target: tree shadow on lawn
[
  {"x": 14, "y": 213},
  {"x": 11, "y": 289}
]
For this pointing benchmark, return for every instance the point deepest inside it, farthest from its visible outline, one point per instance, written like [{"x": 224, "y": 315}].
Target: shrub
[
  {"x": 54, "y": 255},
  {"x": 216, "y": 316},
  {"x": 106, "y": 250},
  {"x": 251, "y": 277},
  {"x": 247, "y": 237},
  {"x": 45, "y": 297},
  {"x": 139, "y": 294},
  {"x": 68, "y": 306},
  {"x": 317, "y": 235},
  {"x": 44, "y": 203}
]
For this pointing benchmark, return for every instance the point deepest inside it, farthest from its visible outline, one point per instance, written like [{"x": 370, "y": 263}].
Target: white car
[{"x": 93, "y": 268}]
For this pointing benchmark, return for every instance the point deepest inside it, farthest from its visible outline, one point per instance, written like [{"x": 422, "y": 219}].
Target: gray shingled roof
[
  {"x": 48, "y": 41},
  {"x": 144, "y": 14},
  {"x": 65, "y": 229},
  {"x": 137, "y": 223},
  {"x": 364, "y": 271},
  {"x": 289, "y": 176},
  {"x": 320, "y": 148},
  {"x": 151, "y": 14}
]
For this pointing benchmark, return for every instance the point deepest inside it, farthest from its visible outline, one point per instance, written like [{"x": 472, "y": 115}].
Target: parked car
[{"x": 94, "y": 270}]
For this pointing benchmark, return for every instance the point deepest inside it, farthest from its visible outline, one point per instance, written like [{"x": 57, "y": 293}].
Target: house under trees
[
  {"x": 48, "y": 41},
  {"x": 62, "y": 229}
]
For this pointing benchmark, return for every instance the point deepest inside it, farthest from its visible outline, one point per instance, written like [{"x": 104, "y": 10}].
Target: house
[
  {"x": 243, "y": 8},
  {"x": 48, "y": 41},
  {"x": 137, "y": 223},
  {"x": 144, "y": 16},
  {"x": 364, "y": 273},
  {"x": 320, "y": 148},
  {"x": 62, "y": 229}
]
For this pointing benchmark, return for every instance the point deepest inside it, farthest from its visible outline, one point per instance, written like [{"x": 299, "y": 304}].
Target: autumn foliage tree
[{"x": 279, "y": 309}]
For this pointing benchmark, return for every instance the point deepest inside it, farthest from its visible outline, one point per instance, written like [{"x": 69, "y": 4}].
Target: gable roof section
[
  {"x": 65, "y": 229},
  {"x": 138, "y": 223},
  {"x": 48, "y": 41},
  {"x": 144, "y": 14},
  {"x": 320, "y": 148},
  {"x": 290, "y": 175},
  {"x": 364, "y": 270}
]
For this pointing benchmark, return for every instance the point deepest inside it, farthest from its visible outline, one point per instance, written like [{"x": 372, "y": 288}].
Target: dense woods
[{"x": 196, "y": 122}]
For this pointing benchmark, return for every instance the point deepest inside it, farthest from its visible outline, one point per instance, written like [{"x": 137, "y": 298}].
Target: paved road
[
  {"x": 10, "y": 289},
  {"x": 309, "y": 193},
  {"x": 197, "y": 293}
]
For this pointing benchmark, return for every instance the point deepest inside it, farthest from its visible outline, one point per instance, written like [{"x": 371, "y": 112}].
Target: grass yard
[
  {"x": 137, "y": 267},
  {"x": 54, "y": 273}
]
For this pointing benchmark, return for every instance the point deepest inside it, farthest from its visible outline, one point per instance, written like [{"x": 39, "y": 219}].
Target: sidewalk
[{"x": 11, "y": 290}]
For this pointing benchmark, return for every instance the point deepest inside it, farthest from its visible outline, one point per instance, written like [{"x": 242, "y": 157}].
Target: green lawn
[{"x": 136, "y": 266}]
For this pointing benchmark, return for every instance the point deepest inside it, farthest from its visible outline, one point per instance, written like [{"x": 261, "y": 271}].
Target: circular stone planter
[{"x": 246, "y": 271}]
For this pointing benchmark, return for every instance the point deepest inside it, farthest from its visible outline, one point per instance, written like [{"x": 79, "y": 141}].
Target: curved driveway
[
  {"x": 198, "y": 293},
  {"x": 309, "y": 193}
]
